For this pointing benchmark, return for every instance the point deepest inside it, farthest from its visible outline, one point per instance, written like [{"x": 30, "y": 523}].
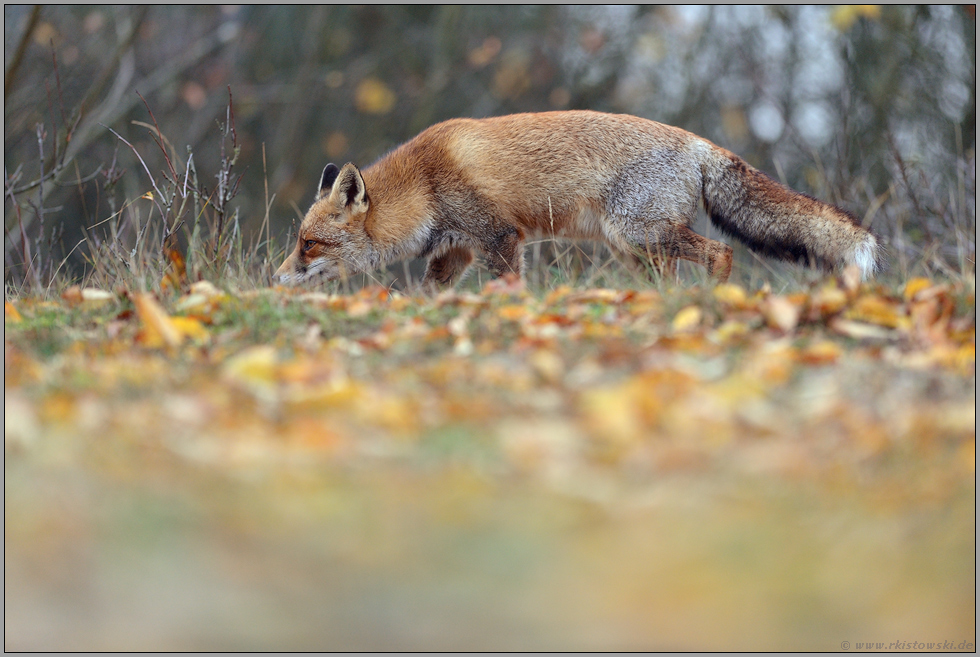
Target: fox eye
[{"x": 308, "y": 244}]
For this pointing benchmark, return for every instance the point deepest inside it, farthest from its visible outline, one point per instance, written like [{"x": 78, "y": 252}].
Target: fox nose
[{"x": 282, "y": 274}]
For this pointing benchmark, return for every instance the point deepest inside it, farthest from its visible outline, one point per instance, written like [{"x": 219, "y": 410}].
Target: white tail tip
[{"x": 866, "y": 256}]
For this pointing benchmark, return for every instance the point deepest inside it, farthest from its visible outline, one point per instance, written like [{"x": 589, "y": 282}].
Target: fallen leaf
[
  {"x": 873, "y": 309},
  {"x": 730, "y": 331},
  {"x": 513, "y": 312},
  {"x": 254, "y": 365},
  {"x": 781, "y": 313},
  {"x": 687, "y": 319},
  {"x": 190, "y": 327},
  {"x": 92, "y": 297},
  {"x": 915, "y": 285},
  {"x": 828, "y": 300},
  {"x": 206, "y": 288},
  {"x": 10, "y": 313},
  {"x": 861, "y": 330},
  {"x": 730, "y": 295},
  {"x": 359, "y": 308},
  {"x": 72, "y": 295},
  {"x": 820, "y": 353},
  {"x": 158, "y": 328}
]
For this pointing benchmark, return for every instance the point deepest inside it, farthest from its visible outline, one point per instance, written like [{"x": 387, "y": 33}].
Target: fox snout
[{"x": 289, "y": 271}]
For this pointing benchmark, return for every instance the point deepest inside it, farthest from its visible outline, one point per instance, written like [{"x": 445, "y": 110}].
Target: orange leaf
[
  {"x": 914, "y": 286},
  {"x": 513, "y": 312},
  {"x": 158, "y": 328},
  {"x": 10, "y": 313},
  {"x": 820, "y": 353}
]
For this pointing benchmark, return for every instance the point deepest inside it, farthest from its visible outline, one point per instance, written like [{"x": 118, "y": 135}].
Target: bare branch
[{"x": 153, "y": 182}]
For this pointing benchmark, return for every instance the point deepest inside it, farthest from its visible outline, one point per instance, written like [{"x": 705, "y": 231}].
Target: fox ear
[
  {"x": 348, "y": 189},
  {"x": 326, "y": 180}
]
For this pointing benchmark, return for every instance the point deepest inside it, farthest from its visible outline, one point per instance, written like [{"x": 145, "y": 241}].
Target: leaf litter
[{"x": 557, "y": 452}]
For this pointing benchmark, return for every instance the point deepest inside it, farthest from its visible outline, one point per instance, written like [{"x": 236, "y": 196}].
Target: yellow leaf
[
  {"x": 611, "y": 415},
  {"x": 829, "y": 300},
  {"x": 687, "y": 319},
  {"x": 190, "y": 328},
  {"x": 729, "y": 331},
  {"x": 255, "y": 365},
  {"x": 877, "y": 310},
  {"x": 730, "y": 295},
  {"x": 374, "y": 97},
  {"x": 10, "y": 313},
  {"x": 158, "y": 328},
  {"x": 914, "y": 286}
]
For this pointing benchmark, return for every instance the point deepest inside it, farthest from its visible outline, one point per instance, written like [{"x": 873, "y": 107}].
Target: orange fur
[{"x": 484, "y": 186}]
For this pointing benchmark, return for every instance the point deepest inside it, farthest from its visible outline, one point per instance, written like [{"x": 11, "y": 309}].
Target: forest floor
[{"x": 706, "y": 467}]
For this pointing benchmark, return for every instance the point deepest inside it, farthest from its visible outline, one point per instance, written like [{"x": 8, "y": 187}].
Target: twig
[
  {"x": 159, "y": 138},
  {"x": 145, "y": 168}
]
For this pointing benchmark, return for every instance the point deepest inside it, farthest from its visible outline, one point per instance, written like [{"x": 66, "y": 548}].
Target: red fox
[{"x": 485, "y": 185}]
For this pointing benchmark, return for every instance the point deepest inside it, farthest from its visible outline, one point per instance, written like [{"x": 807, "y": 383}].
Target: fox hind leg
[
  {"x": 676, "y": 241},
  {"x": 715, "y": 256}
]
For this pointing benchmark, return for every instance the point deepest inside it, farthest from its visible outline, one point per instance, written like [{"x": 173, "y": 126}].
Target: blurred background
[
  {"x": 872, "y": 108},
  {"x": 158, "y": 504}
]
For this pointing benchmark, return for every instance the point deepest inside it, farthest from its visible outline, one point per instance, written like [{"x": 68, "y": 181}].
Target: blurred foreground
[{"x": 590, "y": 470}]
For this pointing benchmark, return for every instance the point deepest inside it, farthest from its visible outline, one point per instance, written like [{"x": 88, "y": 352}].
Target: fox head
[{"x": 332, "y": 240}]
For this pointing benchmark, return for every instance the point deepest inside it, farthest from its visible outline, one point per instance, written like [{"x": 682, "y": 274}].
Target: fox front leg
[
  {"x": 448, "y": 267},
  {"x": 504, "y": 252}
]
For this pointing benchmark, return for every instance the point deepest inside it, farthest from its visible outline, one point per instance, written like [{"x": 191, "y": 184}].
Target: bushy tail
[{"x": 775, "y": 221}]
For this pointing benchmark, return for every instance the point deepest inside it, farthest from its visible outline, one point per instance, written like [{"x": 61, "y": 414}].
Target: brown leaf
[{"x": 73, "y": 295}]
